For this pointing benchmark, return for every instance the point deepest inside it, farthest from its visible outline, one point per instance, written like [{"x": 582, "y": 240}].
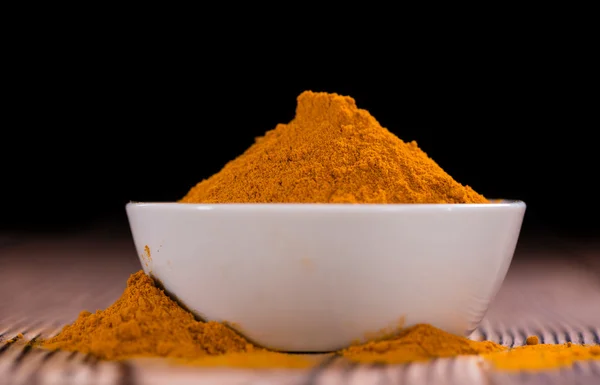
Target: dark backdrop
[{"x": 84, "y": 134}]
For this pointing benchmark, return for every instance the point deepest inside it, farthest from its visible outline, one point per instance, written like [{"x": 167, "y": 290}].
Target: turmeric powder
[
  {"x": 532, "y": 340},
  {"x": 542, "y": 356},
  {"x": 424, "y": 342},
  {"x": 145, "y": 322},
  {"x": 256, "y": 359},
  {"x": 418, "y": 343},
  {"x": 331, "y": 152}
]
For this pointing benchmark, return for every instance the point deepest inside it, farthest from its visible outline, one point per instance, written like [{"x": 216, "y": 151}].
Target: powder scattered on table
[
  {"x": 418, "y": 343},
  {"x": 542, "y": 356},
  {"x": 532, "y": 340},
  {"x": 145, "y": 322},
  {"x": 425, "y": 342}
]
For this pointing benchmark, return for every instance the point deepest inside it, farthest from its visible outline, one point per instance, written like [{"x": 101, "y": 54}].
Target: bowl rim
[{"x": 345, "y": 207}]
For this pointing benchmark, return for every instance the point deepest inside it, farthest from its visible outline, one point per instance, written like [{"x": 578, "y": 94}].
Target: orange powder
[{"x": 331, "y": 152}]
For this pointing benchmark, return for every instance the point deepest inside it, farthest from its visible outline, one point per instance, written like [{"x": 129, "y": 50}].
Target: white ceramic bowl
[{"x": 316, "y": 277}]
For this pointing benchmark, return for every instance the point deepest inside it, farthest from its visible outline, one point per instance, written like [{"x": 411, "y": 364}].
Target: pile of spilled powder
[
  {"x": 145, "y": 322},
  {"x": 331, "y": 152},
  {"x": 542, "y": 356},
  {"x": 418, "y": 343},
  {"x": 425, "y": 342}
]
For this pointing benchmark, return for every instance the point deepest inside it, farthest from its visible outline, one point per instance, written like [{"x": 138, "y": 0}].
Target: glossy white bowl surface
[{"x": 316, "y": 277}]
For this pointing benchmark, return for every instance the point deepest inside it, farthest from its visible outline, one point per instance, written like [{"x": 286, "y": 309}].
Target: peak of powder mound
[
  {"x": 331, "y": 152},
  {"x": 318, "y": 106}
]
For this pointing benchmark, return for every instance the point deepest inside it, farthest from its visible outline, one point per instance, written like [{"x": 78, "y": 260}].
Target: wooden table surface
[{"x": 552, "y": 290}]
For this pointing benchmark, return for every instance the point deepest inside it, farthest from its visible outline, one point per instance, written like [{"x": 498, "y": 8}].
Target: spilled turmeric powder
[
  {"x": 145, "y": 322},
  {"x": 424, "y": 342},
  {"x": 532, "y": 340},
  {"x": 331, "y": 152},
  {"x": 14, "y": 339},
  {"x": 542, "y": 356},
  {"x": 257, "y": 359},
  {"x": 418, "y": 343}
]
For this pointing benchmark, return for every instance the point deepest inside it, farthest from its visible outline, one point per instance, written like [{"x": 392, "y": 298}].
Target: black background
[{"x": 87, "y": 130}]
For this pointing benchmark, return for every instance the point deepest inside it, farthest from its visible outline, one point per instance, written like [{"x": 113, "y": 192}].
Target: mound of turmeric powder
[
  {"x": 425, "y": 342},
  {"x": 418, "y": 343},
  {"x": 145, "y": 322},
  {"x": 331, "y": 152}
]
